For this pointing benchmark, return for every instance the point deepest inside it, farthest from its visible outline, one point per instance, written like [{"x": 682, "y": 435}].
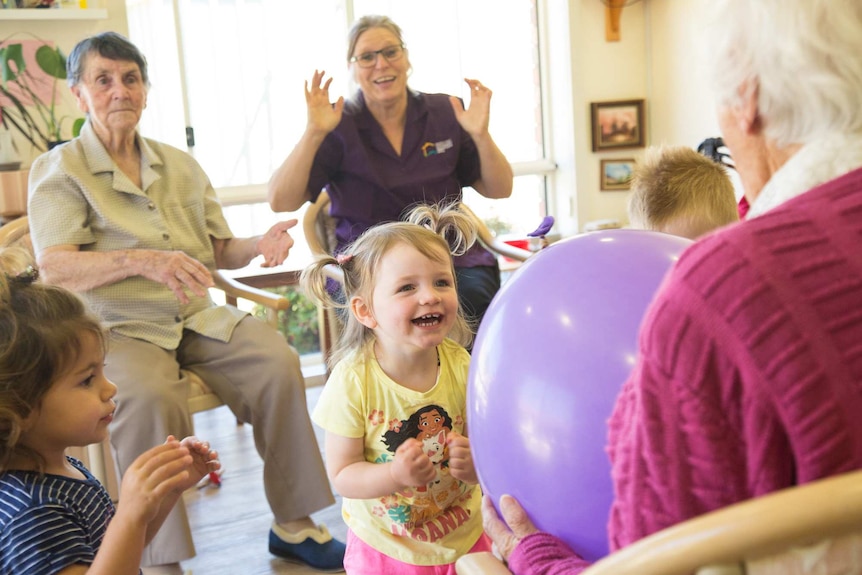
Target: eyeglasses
[{"x": 369, "y": 59}]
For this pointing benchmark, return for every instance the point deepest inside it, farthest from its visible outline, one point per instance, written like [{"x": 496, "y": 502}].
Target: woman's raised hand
[
  {"x": 323, "y": 116},
  {"x": 476, "y": 117}
]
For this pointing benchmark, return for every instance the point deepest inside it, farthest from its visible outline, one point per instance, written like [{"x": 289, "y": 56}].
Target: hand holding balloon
[{"x": 506, "y": 533}]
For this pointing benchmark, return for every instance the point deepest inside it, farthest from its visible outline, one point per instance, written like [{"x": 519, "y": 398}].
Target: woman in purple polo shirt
[{"x": 389, "y": 148}]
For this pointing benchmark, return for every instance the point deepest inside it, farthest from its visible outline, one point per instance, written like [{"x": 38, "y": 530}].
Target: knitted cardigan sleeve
[{"x": 545, "y": 554}]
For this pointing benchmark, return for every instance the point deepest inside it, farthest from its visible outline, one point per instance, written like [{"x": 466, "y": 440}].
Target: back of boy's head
[
  {"x": 679, "y": 191},
  {"x": 436, "y": 232},
  {"x": 40, "y": 329}
]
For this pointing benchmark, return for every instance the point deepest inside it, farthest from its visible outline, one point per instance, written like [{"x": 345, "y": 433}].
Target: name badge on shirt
[{"x": 434, "y": 148}]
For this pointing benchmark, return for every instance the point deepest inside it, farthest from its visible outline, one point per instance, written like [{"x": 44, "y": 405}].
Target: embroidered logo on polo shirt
[{"x": 432, "y": 149}]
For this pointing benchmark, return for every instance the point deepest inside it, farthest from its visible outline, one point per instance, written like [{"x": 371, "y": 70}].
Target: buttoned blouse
[{"x": 79, "y": 196}]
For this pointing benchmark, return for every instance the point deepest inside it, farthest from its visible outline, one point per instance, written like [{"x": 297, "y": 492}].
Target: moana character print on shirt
[{"x": 414, "y": 506}]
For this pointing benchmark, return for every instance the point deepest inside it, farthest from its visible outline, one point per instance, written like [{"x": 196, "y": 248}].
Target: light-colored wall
[
  {"x": 65, "y": 34},
  {"x": 683, "y": 110},
  {"x": 658, "y": 58}
]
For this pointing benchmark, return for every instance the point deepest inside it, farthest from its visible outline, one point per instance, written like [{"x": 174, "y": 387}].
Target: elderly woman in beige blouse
[{"x": 134, "y": 226}]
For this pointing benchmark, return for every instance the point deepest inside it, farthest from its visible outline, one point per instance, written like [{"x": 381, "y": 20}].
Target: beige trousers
[{"x": 257, "y": 375}]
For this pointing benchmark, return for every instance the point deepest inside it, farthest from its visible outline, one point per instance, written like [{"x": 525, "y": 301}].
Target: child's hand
[
  {"x": 204, "y": 459},
  {"x": 461, "y": 458},
  {"x": 155, "y": 474},
  {"x": 412, "y": 467}
]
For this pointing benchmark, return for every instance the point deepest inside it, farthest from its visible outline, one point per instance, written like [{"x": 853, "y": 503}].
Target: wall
[
  {"x": 610, "y": 71},
  {"x": 657, "y": 58},
  {"x": 683, "y": 111},
  {"x": 65, "y": 34}
]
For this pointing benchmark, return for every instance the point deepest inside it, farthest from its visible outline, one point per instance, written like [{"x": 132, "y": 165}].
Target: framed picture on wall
[
  {"x": 618, "y": 125},
  {"x": 617, "y": 174}
]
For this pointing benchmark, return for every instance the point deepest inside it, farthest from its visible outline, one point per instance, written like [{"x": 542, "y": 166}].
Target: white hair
[{"x": 803, "y": 56}]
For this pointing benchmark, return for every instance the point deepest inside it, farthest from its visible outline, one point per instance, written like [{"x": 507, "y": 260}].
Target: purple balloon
[{"x": 553, "y": 350}]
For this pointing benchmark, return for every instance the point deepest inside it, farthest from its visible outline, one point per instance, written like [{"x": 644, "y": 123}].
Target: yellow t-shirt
[{"x": 430, "y": 525}]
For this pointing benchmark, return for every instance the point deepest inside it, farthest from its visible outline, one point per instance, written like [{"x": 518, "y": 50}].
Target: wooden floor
[{"x": 231, "y": 523}]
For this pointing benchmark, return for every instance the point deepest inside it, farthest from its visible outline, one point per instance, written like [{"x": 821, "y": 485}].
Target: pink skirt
[{"x": 362, "y": 559}]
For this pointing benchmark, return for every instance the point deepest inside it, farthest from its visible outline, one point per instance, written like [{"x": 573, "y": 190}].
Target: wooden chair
[
  {"x": 98, "y": 457},
  {"x": 319, "y": 229},
  {"x": 811, "y": 528}
]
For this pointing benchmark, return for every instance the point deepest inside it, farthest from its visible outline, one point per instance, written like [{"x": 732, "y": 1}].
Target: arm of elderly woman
[
  {"x": 496, "y": 173},
  {"x": 67, "y": 266},
  {"x": 526, "y": 549},
  {"x": 274, "y": 246}
]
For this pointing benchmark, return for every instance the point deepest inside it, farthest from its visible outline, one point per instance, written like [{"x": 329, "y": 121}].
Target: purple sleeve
[
  {"x": 544, "y": 554},
  {"x": 326, "y": 162}
]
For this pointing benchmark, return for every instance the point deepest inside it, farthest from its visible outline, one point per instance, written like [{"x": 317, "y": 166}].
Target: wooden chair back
[{"x": 807, "y": 529}]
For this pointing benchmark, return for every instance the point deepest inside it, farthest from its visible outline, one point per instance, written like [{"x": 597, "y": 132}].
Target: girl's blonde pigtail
[
  {"x": 448, "y": 221},
  {"x": 313, "y": 281}
]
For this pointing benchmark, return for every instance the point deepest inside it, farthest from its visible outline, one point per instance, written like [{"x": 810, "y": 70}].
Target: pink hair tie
[{"x": 343, "y": 259}]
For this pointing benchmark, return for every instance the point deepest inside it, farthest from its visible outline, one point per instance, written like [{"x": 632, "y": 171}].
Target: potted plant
[{"x": 30, "y": 94}]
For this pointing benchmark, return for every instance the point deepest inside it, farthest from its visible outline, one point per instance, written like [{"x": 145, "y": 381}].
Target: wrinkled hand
[
  {"x": 477, "y": 116},
  {"x": 275, "y": 244},
  {"x": 506, "y": 533},
  {"x": 155, "y": 474},
  {"x": 177, "y": 270},
  {"x": 204, "y": 460},
  {"x": 322, "y": 115},
  {"x": 412, "y": 467},
  {"x": 461, "y": 458}
]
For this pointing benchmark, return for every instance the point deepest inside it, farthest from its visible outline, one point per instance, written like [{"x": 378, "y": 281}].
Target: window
[{"x": 239, "y": 79}]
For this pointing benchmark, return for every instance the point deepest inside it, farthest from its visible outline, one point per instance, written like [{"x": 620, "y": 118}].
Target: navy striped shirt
[{"x": 49, "y": 522}]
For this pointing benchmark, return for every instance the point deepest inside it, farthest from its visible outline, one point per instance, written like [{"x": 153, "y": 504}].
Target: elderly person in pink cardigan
[{"x": 749, "y": 374}]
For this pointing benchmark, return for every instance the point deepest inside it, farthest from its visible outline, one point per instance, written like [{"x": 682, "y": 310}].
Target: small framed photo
[
  {"x": 617, "y": 125},
  {"x": 617, "y": 174}
]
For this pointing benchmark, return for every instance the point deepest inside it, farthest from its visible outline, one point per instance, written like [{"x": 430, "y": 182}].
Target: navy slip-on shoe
[{"x": 315, "y": 548}]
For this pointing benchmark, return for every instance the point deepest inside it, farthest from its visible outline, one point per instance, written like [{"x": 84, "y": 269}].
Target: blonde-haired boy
[{"x": 678, "y": 191}]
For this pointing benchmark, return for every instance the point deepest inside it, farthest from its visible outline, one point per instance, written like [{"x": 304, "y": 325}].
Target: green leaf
[
  {"x": 77, "y": 125},
  {"x": 11, "y": 53},
  {"x": 51, "y": 61}
]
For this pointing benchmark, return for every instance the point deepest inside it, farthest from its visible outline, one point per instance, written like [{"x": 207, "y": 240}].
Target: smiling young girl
[
  {"x": 55, "y": 517},
  {"x": 394, "y": 407}
]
